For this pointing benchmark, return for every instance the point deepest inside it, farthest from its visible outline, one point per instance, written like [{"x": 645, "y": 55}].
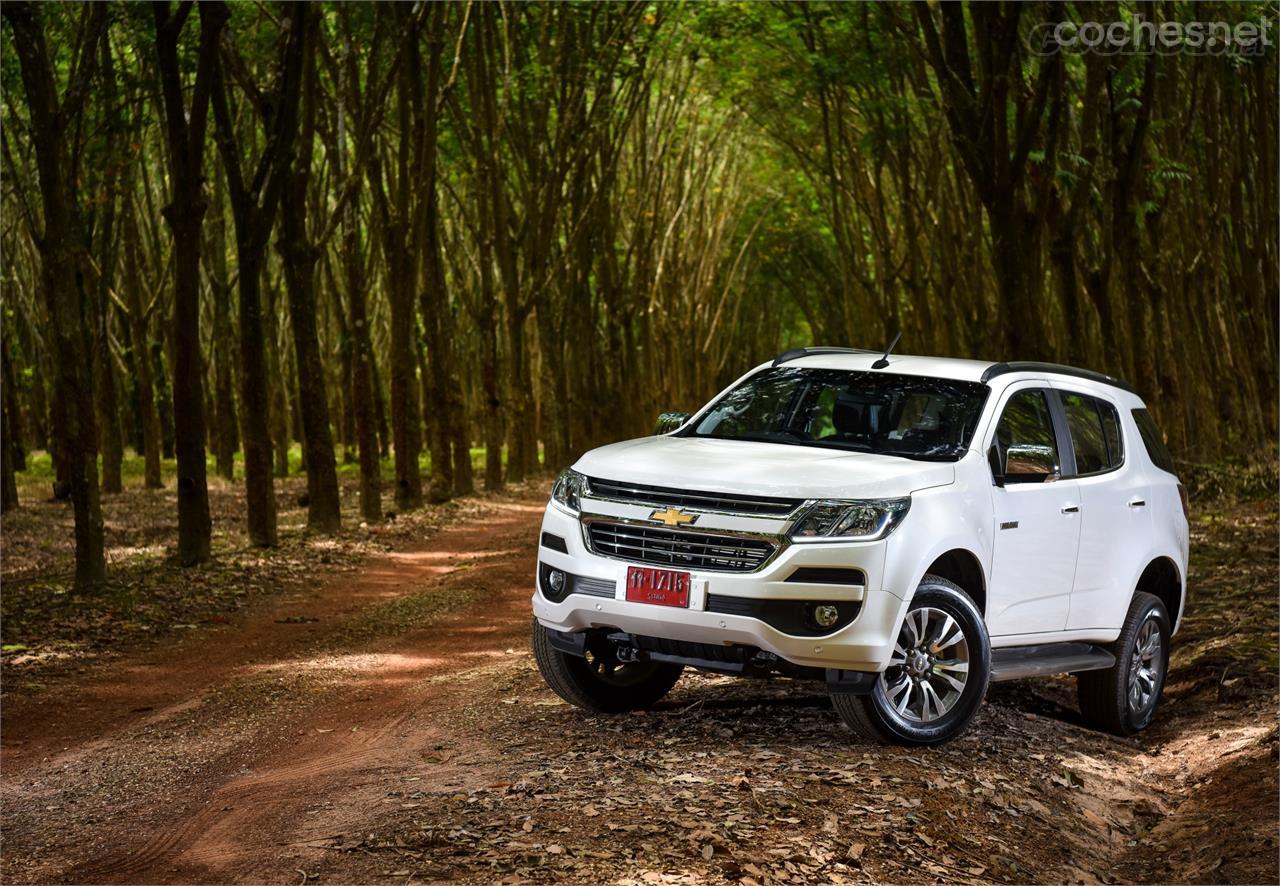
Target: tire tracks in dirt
[{"x": 203, "y": 759}]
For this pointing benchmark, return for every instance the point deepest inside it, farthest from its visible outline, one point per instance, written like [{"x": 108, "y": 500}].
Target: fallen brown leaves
[{"x": 757, "y": 783}]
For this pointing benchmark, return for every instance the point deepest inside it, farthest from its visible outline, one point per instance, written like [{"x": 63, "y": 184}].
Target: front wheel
[
  {"x": 1123, "y": 698},
  {"x": 599, "y": 682},
  {"x": 937, "y": 674}
]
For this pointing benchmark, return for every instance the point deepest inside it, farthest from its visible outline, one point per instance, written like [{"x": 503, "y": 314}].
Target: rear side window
[
  {"x": 1153, "y": 440},
  {"x": 1095, "y": 433},
  {"x": 1087, "y": 437},
  {"x": 1111, "y": 432}
]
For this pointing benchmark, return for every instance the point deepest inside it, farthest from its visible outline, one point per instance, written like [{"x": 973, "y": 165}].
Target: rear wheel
[
  {"x": 937, "y": 674},
  {"x": 1123, "y": 699},
  {"x": 600, "y": 682}
]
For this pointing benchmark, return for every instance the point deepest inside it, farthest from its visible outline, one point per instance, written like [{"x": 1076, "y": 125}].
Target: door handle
[
  {"x": 1070, "y": 509},
  {"x": 1138, "y": 503}
]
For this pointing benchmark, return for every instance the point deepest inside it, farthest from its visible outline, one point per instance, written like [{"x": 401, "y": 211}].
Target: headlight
[
  {"x": 850, "y": 520},
  {"x": 570, "y": 485}
]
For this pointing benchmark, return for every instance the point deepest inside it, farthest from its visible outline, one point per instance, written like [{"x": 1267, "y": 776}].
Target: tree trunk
[
  {"x": 59, "y": 263},
  {"x": 464, "y": 482},
  {"x": 8, "y": 405},
  {"x": 226, "y": 431},
  {"x": 434, "y": 295},
  {"x": 253, "y": 207},
  {"x": 109, "y": 436},
  {"x": 255, "y": 394},
  {"x": 324, "y": 505},
  {"x": 185, "y": 215},
  {"x": 140, "y": 351},
  {"x": 11, "y": 426},
  {"x": 8, "y": 482},
  {"x": 278, "y": 395}
]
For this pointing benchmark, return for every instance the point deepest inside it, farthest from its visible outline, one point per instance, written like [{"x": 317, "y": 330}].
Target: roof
[
  {"x": 942, "y": 367},
  {"x": 903, "y": 364}
]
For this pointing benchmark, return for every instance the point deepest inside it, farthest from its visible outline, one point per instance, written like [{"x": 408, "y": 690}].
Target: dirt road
[{"x": 390, "y": 726}]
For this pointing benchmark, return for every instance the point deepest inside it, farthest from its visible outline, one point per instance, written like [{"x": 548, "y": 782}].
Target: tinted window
[
  {"x": 1025, "y": 436},
  {"x": 1087, "y": 440},
  {"x": 1153, "y": 440},
  {"x": 906, "y": 415},
  {"x": 1111, "y": 433}
]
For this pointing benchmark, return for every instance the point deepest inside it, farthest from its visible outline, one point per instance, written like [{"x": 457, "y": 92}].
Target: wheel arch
[
  {"x": 1162, "y": 578},
  {"x": 962, "y": 567}
]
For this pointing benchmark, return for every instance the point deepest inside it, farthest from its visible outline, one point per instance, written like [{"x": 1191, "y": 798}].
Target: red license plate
[{"x": 661, "y": 587}]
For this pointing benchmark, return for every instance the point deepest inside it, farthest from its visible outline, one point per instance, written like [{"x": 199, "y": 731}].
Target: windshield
[{"x": 905, "y": 415}]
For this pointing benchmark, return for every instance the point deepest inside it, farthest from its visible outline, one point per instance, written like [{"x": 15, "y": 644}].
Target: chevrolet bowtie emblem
[{"x": 673, "y": 517}]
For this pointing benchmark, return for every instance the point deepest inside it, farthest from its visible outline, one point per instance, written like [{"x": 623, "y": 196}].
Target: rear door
[
  {"x": 1115, "y": 516},
  {"x": 1036, "y": 514}
]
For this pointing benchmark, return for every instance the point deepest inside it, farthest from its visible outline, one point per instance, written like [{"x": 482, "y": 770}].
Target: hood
[{"x": 771, "y": 469}]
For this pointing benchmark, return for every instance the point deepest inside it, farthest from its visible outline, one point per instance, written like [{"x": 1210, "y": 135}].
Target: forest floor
[{"x": 367, "y": 710}]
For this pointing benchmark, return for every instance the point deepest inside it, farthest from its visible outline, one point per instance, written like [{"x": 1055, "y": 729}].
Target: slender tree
[
  {"x": 299, "y": 258},
  {"x": 54, "y": 115},
  {"x": 255, "y": 198},
  {"x": 186, "y": 126}
]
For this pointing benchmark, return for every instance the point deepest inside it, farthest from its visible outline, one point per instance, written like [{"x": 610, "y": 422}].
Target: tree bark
[
  {"x": 140, "y": 352},
  {"x": 226, "y": 431},
  {"x": 8, "y": 482},
  {"x": 109, "y": 432},
  {"x": 185, "y": 127},
  {"x": 434, "y": 295},
  {"x": 299, "y": 259},
  {"x": 60, "y": 260},
  {"x": 253, "y": 207}
]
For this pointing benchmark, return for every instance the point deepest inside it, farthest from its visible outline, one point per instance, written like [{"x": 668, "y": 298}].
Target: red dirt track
[{"x": 214, "y": 759}]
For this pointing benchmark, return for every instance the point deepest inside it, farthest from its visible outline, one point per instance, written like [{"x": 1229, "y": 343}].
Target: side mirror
[
  {"x": 1030, "y": 463},
  {"x": 996, "y": 463},
  {"x": 669, "y": 421}
]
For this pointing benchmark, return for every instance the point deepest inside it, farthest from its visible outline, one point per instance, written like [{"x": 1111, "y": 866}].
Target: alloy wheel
[
  {"x": 929, "y": 667},
  {"x": 1146, "y": 666}
]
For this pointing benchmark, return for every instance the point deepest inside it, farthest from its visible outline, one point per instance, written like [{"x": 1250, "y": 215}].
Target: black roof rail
[
  {"x": 1056, "y": 368},
  {"x": 797, "y": 353}
]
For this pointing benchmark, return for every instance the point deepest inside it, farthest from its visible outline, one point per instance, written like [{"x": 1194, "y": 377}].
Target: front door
[{"x": 1037, "y": 521}]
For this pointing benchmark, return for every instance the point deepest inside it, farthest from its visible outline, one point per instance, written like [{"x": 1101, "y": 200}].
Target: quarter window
[
  {"x": 1153, "y": 440},
  {"x": 1027, "y": 446}
]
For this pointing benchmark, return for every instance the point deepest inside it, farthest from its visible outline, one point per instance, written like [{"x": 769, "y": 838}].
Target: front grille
[
  {"x": 678, "y": 548},
  {"x": 725, "y": 502}
]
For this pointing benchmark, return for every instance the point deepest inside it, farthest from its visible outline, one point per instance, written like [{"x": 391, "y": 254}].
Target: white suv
[{"x": 904, "y": 529}]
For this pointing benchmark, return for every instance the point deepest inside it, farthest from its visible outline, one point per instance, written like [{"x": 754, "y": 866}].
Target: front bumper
[{"x": 862, "y": 645}]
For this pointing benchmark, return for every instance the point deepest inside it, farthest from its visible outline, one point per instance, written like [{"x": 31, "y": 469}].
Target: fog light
[
  {"x": 556, "y": 580},
  {"x": 826, "y": 615}
]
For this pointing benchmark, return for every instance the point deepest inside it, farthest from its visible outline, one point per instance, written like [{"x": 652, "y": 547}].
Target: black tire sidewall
[
  {"x": 572, "y": 678},
  {"x": 1137, "y": 721},
  {"x": 941, "y": 594}
]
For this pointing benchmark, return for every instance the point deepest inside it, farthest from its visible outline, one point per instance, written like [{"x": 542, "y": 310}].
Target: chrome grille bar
[
  {"x": 678, "y": 548},
  {"x": 723, "y": 502}
]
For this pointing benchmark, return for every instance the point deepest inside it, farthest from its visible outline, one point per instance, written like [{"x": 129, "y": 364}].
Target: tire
[
  {"x": 900, "y": 709},
  {"x": 599, "y": 682},
  {"x": 1142, "y": 661}
]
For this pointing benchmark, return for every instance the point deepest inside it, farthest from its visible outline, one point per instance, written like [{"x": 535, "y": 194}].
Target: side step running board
[{"x": 1017, "y": 662}]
